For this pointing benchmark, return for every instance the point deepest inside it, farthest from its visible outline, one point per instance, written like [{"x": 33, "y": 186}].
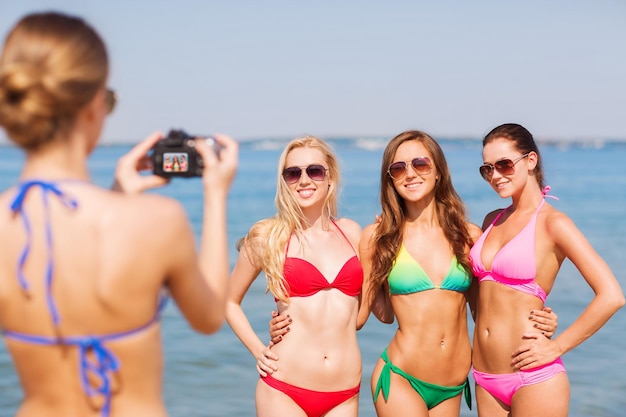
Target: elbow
[
  {"x": 359, "y": 325},
  {"x": 361, "y": 319},
  {"x": 619, "y": 300},
  {"x": 614, "y": 301},
  {"x": 211, "y": 325}
]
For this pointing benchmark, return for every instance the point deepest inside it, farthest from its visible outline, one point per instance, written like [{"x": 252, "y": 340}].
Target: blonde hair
[
  {"x": 52, "y": 65},
  {"x": 267, "y": 239}
]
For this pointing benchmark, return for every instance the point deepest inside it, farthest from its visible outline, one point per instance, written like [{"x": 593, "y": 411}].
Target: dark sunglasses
[
  {"x": 503, "y": 166},
  {"x": 314, "y": 172},
  {"x": 421, "y": 165},
  {"x": 110, "y": 100}
]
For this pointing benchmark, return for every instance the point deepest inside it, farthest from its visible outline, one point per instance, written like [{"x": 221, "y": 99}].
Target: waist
[{"x": 339, "y": 369}]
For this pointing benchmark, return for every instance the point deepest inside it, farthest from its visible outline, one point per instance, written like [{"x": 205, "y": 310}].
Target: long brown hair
[{"x": 449, "y": 207}]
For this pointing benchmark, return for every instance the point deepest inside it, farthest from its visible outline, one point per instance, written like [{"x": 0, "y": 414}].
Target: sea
[{"x": 211, "y": 376}]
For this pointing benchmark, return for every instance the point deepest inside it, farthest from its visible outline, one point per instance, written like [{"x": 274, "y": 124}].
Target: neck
[
  {"x": 529, "y": 199},
  {"x": 62, "y": 158},
  {"x": 315, "y": 219},
  {"x": 422, "y": 213}
]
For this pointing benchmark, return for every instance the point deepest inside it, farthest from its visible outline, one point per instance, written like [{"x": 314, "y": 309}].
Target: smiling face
[
  {"x": 508, "y": 180},
  {"x": 414, "y": 185},
  {"x": 308, "y": 193}
]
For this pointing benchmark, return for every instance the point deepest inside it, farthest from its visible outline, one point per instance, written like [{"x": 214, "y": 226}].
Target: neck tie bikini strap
[
  {"x": 545, "y": 191},
  {"x": 17, "y": 205}
]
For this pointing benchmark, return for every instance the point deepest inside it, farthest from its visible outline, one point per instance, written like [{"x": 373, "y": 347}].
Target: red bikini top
[{"x": 304, "y": 279}]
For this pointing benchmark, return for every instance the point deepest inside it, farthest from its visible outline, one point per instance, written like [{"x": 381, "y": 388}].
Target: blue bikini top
[
  {"x": 408, "y": 277},
  {"x": 99, "y": 366}
]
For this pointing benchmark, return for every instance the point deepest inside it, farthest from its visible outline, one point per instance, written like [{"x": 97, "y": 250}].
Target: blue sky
[{"x": 260, "y": 69}]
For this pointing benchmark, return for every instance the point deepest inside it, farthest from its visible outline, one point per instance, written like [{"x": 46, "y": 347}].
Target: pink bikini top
[
  {"x": 304, "y": 279},
  {"x": 514, "y": 264}
]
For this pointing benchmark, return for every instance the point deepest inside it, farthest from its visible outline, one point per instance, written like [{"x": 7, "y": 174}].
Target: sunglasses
[
  {"x": 503, "y": 166},
  {"x": 421, "y": 165},
  {"x": 314, "y": 172},
  {"x": 110, "y": 100}
]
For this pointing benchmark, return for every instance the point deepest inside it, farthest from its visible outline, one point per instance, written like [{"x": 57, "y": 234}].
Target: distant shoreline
[{"x": 596, "y": 142}]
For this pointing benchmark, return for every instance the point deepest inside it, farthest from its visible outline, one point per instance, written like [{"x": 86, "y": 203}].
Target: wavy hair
[
  {"x": 268, "y": 238},
  {"x": 450, "y": 210},
  {"x": 52, "y": 65}
]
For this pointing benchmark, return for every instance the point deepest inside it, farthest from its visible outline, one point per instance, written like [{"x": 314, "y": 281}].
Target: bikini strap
[
  {"x": 544, "y": 194},
  {"x": 96, "y": 362},
  {"x": 343, "y": 234},
  {"x": 498, "y": 216},
  {"x": 17, "y": 206},
  {"x": 545, "y": 191}
]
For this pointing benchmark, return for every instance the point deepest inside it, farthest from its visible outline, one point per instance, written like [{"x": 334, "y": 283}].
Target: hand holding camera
[
  {"x": 222, "y": 157},
  {"x": 176, "y": 155}
]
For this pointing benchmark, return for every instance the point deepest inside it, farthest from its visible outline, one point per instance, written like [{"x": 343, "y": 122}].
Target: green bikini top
[{"x": 407, "y": 276}]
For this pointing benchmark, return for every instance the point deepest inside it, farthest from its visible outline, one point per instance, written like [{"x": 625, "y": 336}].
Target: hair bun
[{"x": 26, "y": 105}]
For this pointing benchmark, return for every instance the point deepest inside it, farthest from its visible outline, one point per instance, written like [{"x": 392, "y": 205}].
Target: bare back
[{"x": 111, "y": 256}]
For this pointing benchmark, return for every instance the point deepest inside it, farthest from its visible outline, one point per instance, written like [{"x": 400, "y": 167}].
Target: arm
[
  {"x": 609, "y": 296},
  {"x": 198, "y": 284},
  {"x": 472, "y": 292},
  {"x": 379, "y": 301},
  {"x": 572, "y": 244},
  {"x": 279, "y": 327},
  {"x": 244, "y": 273},
  {"x": 127, "y": 177}
]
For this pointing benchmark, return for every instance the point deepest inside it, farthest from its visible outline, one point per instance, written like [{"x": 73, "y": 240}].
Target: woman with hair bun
[{"x": 82, "y": 273}]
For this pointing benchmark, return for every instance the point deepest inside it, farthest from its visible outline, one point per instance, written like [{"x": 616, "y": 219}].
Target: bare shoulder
[
  {"x": 349, "y": 226},
  {"x": 351, "y": 229},
  {"x": 155, "y": 205},
  {"x": 145, "y": 212},
  {"x": 367, "y": 236},
  {"x": 369, "y": 230},
  {"x": 558, "y": 223},
  {"x": 261, "y": 229},
  {"x": 474, "y": 230},
  {"x": 490, "y": 217}
]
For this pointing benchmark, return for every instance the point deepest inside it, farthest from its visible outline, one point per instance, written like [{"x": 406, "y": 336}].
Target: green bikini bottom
[{"x": 431, "y": 393}]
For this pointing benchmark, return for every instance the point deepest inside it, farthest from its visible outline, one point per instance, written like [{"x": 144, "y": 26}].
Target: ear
[{"x": 533, "y": 160}]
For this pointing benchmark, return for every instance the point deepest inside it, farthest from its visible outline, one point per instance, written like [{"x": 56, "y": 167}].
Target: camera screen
[{"x": 175, "y": 162}]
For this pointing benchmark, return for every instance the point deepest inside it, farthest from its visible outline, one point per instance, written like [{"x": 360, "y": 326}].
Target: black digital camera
[{"x": 175, "y": 155}]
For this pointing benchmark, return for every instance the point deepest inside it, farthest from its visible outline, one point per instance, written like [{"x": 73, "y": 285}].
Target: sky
[{"x": 279, "y": 69}]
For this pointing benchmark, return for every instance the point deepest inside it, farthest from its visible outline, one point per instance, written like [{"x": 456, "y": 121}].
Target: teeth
[{"x": 305, "y": 193}]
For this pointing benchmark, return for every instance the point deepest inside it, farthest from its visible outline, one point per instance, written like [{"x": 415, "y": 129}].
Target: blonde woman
[
  {"x": 309, "y": 258},
  {"x": 82, "y": 273}
]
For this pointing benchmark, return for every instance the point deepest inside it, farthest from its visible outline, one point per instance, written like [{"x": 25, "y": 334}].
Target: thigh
[
  {"x": 270, "y": 402},
  {"x": 548, "y": 398},
  {"x": 448, "y": 408},
  {"x": 489, "y": 406},
  {"x": 348, "y": 408},
  {"x": 403, "y": 399}
]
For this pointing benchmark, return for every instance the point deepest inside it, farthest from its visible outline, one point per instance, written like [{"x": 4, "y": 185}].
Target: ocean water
[{"x": 215, "y": 375}]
